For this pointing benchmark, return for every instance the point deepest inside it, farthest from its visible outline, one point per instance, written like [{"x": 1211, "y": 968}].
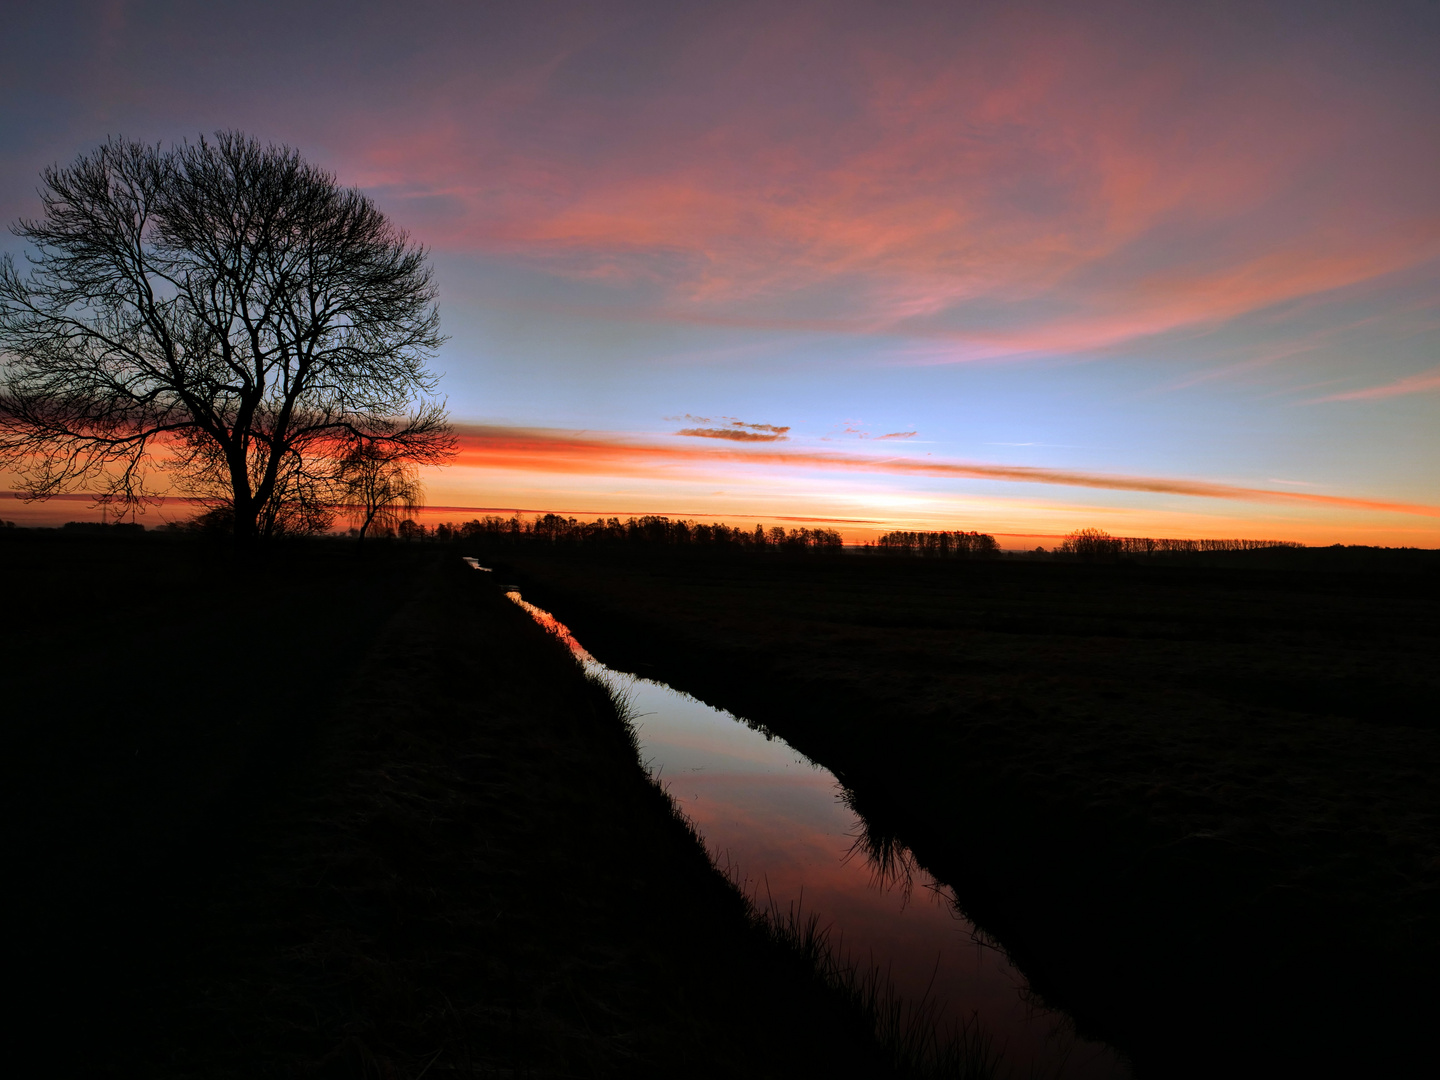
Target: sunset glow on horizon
[{"x": 1021, "y": 268}]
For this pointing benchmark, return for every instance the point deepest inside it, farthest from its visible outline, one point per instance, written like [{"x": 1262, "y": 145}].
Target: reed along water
[{"x": 781, "y": 825}]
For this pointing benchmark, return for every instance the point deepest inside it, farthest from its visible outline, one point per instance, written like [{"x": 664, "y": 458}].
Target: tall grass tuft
[{"x": 915, "y": 1036}]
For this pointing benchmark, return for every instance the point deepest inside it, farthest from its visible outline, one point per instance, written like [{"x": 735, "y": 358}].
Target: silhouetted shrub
[
  {"x": 937, "y": 545},
  {"x": 1094, "y": 544}
]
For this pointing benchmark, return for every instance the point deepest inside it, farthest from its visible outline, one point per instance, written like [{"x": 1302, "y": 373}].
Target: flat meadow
[{"x": 338, "y": 809}]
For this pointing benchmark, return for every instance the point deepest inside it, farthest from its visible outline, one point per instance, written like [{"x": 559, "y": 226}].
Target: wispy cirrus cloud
[{"x": 1424, "y": 382}]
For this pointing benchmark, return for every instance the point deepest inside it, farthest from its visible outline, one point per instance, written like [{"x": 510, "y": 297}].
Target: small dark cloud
[
  {"x": 771, "y": 428},
  {"x": 860, "y": 433},
  {"x": 736, "y": 434},
  {"x": 737, "y": 431}
]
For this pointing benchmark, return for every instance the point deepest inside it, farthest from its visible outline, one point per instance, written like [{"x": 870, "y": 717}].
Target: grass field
[
  {"x": 333, "y": 811},
  {"x": 1196, "y": 803}
]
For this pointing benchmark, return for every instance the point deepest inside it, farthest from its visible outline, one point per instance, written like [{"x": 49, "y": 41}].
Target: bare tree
[
  {"x": 226, "y": 313},
  {"x": 1091, "y": 544},
  {"x": 378, "y": 491}
]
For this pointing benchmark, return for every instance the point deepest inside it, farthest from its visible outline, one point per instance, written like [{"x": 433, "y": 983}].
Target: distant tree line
[
  {"x": 937, "y": 545},
  {"x": 110, "y": 527},
  {"x": 1098, "y": 544},
  {"x": 554, "y": 530}
]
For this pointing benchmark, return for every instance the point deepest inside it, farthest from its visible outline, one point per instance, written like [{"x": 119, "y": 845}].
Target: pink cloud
[{"x": 1028, "y": 170}]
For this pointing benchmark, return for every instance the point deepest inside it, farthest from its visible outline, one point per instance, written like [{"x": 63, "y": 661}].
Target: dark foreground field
[
  {"x": 1196, "y": 803},
  {"x": 340, "y": 812}
]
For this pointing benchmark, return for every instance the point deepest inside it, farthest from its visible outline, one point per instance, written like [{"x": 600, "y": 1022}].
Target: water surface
[{"x": 781, "y": 824}]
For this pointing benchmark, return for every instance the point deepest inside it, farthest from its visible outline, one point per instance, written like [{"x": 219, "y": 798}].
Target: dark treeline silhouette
[
  {"x": 103, "y": 527},
  {"x": 552, "y": 529},
  {"x": 937, "y": 544},
  {"x": 1098, "y": 544},
  {"x": 653, "y": 531}
]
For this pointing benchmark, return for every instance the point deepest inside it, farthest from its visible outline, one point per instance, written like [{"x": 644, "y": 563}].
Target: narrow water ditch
[{"x": 784, "y": 827}]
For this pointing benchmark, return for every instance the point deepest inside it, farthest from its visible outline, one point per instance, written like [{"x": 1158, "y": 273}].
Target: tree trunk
[{"x": 246, "y": 511}]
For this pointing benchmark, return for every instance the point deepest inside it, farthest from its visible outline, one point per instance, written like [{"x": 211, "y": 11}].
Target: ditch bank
[
  {"x": 460, "y": 866},
  {"x": 502, "y": 890}
]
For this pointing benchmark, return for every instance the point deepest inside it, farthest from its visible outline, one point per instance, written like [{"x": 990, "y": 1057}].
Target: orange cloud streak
[{"x": 546, "y": 451}]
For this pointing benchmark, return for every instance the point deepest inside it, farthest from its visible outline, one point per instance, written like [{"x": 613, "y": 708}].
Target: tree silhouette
[
  {"x": 378, "y": 491},
  {"x": 223, "y": 312},
  {"x": 1091, "y": 544}
]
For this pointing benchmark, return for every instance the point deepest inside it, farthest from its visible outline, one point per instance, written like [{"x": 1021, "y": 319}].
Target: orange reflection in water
[{"x": 556, "y": 627}]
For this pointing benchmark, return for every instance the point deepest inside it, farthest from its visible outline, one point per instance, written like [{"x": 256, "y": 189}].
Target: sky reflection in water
[{"x": 781, "y": 824}]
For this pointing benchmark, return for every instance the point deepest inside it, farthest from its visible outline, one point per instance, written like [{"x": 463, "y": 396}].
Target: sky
[{"x": 1161, "y": 269}]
